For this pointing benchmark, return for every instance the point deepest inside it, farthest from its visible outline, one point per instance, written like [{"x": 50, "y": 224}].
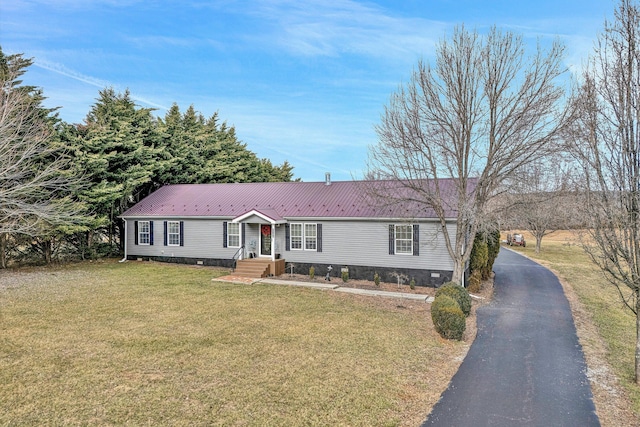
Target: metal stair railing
[{"x": 236, "y": 257}]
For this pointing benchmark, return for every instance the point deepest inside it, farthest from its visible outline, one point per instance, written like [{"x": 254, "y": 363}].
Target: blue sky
[{"x": 303, "y": 81}]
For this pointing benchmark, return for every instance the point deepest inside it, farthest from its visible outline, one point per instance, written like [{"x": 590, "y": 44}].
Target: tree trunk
[
  {"x": 90, "y": 251},
  {"x": 458, "y": 271},
  {"x": 3, "y": 250},
  {"x": 46, "y": 251},
  {"x": 538, "y": 243}
]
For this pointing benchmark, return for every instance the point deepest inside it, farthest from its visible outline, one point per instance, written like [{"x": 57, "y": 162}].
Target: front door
[{"x": 265, "y": 240}]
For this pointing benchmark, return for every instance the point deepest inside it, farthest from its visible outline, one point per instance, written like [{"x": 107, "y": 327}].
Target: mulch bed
[{"x": 361, "y": 284}]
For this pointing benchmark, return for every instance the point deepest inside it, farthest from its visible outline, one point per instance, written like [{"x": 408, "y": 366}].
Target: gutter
[{"x": 125, "y": 241}]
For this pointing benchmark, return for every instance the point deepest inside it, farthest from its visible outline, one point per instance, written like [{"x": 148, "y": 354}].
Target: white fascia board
[
  {"x": 259, "y": 215},
  {"x": 339, "y": 218},
  {"x": 285, "y": 220}
]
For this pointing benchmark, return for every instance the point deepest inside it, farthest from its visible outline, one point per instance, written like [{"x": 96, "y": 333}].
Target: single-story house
[{"x": 293, "y": 226}]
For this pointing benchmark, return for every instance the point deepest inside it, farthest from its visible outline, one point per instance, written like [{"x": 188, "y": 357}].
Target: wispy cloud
[
  {"x": 93, "y": 81},
  {"x": 172, "y": 42},
  {"x": 75, "y": 4},
  {"x": 156, "y": 40},
  {"x": 301, "y": 80},
  {"x": 64, "y": 71},
  {"x": 332, "y": 28}
]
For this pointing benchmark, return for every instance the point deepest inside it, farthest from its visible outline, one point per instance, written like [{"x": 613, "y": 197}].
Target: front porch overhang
[
  {"x": 268, "y": 216},
  {"x": 263, "y": 216}
]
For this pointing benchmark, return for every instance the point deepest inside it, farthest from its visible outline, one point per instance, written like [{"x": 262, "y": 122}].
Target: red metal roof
[{"x": 340, "y": 199}]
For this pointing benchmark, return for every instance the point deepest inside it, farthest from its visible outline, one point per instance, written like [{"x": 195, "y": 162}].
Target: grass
[
  {"x": 157, "y": 344},
  {"x": 615, "y": 323}
]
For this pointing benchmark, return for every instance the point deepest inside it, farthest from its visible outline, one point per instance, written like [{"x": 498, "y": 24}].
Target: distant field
[
  {"x": 614, "y": 334},
  {"x": 157, "y": 344}
]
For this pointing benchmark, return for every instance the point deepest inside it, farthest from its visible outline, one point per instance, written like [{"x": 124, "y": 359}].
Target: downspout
[
  {"x": 273, "y": 242},
  {"x": 464, "y": 274},
  {"x": 464, "y": 266},
  {"x": 242, "y": 237},
  {"x": 125, "y": 241}
]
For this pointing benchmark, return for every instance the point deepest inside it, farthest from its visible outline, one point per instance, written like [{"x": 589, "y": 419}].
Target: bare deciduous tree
[
  {"x": 606, "y": 139},
  {"x": 482, "y": 112},
  {"x": 539, "y": 199},
  {"x": 35, "y": 179}
]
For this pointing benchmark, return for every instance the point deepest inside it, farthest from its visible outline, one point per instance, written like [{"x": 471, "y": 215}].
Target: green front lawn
[{"x": 157, "y": 344}]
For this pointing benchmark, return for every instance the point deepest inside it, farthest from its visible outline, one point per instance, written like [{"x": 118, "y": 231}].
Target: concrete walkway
[{"x": 326, "y": 287}]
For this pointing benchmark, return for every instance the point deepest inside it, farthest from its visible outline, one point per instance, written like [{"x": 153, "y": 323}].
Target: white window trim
[
  {"x": 315, "y": 238},
  {"x": 146, "y": 233},
  {"x": 291, "y": 236},
  {"x": 303, "y": 236},
  {"x": 229, "y": 234},
  {"x": 169, "y": 233},
  {"x": 396, "y": 239}
]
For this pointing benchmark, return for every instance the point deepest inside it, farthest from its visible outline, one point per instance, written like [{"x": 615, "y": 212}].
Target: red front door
[{"x": 265, "y": 239}]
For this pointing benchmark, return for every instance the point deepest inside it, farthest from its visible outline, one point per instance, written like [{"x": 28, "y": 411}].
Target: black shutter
[
  {"x": 243, "y": 230},
  {"x": 319, "y": 234},
  {"x": 224, "y": 234},
  {"x": 135, "y": 231},
  {"x": 181, "y": 233},
  {"x": 287, "y": 238},
  {"x": 416, "y": 240},
  {"x": 392, "y": 237},
  {"x": 165, "y": 233},
  {"x": 151, "y": 233}
]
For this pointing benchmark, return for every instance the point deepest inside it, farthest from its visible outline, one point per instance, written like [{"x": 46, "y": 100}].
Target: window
[
  {"x": 233, "y": 235},
  {"x": 173, "y": 233},
  {"x": 144, "y": 233},
  {"x": 404, "y": 239},
  {"x": 305, "y": 237},
  {"x": 310, "y": 237},
  {"x": 296, "y": 236}
]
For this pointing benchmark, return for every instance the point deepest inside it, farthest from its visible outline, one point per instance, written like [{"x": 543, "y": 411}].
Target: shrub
[
  {"x": 412, "y": 283},
  {"x": 458, "y": 293},
  {"x": 376, "y": 279},
  {"x": 493, "y": 246},
  {"x": 400, "y": 277},
  {"x": 447, "y": 317},
  {"x": 475, "y": 282},
  {"x": 479, "y": 254},
  {"x": 312, "y": 272},
  {"x": 345, "y": 276}
]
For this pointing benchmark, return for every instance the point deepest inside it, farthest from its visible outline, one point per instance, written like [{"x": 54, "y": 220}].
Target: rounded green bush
[
  {"x": 448, "y": 318},
  {"x": 458, "y": 293}
]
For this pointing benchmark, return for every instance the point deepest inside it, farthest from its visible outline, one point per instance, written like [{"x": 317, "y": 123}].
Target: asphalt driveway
[{"x": 526, "y": 366}]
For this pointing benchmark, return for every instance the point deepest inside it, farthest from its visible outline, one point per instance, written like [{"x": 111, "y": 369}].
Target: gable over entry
[{"x": 267, "y": 220}]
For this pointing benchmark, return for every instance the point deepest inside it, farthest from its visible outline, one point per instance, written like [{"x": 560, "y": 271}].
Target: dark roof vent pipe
[{"x": 327, "y": 178}]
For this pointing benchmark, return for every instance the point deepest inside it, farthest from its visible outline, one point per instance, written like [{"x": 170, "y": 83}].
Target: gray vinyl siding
[
  {"x": 366, "y": 243},
  {"x": 203, "y": 238},
  {"x": 344, "y": 242}
]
